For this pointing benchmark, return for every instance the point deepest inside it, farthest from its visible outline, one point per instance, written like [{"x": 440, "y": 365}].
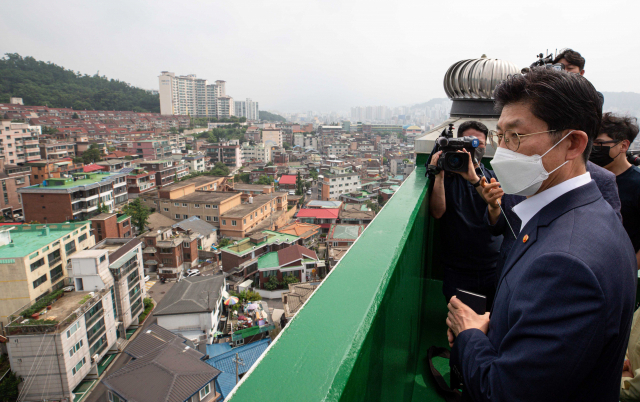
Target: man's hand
[
  {"x": 470, "y": 175},
  {"x": 434, "y": 162},
  {"x": 492, "y": 194},
  {"x": 461, "y": 318},
  {"x": 626, "y": 369}
]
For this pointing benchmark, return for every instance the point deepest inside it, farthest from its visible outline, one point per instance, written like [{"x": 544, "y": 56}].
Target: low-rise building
[
  {"x": 52, "y": 169},
  {"x": 34, "y": 259},
  {"x": 140, "y": 181},
  {"x": 294, "y": 261},
  {"x": 52, "y": 149},
  {"x": 225, "y": 152},
  {"x": 356, "y": 214},
  {"x": 256, "y": 153},
  {"x": 75, "y": 198},
  {"x": 323, "y": 217},
  {"x": 240, "y": 220},
  {"x": 169, "y": 253},
  {"x": 166, "y": 171},
  {"x": 207, "y": 233},
  {"x": 307, "y": 232},
  {"x": 343, "y": 235},
  {"x": 195, "y": 162},
  {"x": 241, "y": 257},
  {"x": 287, "y": 182},
  {"x": 339, "y": 180},
  {"x": 169, "y": 366},
  {"x": 111, "y": 225},
  {"x": 12, "y": 178},
  {"x": 192, "y": 308},
  {"x": 147, "y": 149},
  {"x": 114, "y": 165}
]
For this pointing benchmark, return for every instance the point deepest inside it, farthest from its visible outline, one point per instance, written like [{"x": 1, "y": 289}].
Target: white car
[
  {"x": 309, "y": 192},
  {"x": 146, "y": 278},
  {"x": 292, "y": 192},
  {"x": 193, "y": 272}
]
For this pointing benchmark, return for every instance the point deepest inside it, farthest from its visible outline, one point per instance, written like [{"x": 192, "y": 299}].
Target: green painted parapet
[{"x": 362, "y": 335}]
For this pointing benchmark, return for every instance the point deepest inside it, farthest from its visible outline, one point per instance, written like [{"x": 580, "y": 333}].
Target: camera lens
[{"x": 455, "y": 162}]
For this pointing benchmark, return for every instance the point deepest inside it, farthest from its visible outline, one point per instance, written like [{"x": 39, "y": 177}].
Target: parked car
[
  {"x": 309, "y": 192},
  {"x": 292, "y": 192},
  {"x": 193, "y": 272},
  {"x": 146, "y": 278}
]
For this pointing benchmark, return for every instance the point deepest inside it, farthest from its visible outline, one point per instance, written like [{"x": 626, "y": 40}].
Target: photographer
[
  {"x": 610, "y": 151},
  {"x": 469, "y": 250}
]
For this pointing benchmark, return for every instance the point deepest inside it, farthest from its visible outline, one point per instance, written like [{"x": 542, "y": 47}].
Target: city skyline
[{"x": 360, "y": 53}]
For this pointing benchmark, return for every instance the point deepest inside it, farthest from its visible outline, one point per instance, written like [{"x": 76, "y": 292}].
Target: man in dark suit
[{"x": 563, "y": 308}]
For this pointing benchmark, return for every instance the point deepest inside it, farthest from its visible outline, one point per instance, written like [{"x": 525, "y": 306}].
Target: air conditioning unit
[{"x": 95, "y": 358}]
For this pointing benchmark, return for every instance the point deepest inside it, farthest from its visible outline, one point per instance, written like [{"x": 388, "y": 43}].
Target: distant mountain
[
  {"x": 45, "y": 83},
  {"x": 622, "y": 102},
  {"x": 431, "y": 102},
  {"x": 271, "y": 116}
]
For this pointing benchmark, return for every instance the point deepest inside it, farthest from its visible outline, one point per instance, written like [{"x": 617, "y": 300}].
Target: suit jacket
[
  {"x": 604, "y": 179},
  {"x": 563, "y": 309}
]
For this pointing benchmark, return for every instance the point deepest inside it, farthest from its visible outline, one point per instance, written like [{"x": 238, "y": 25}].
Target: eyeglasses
[
  {"x": 511, "y": 138},
  {"x": 597, "y": 146}
]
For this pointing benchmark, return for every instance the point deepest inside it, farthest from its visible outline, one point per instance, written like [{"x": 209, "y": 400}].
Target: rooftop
[
  {"x": 287, "y": 179},
  {"x": 196, "y": 225},
  {"x": 319, "y": 213},
  {"x": 268, "y": 260},
  {"x": 253, "y": 187},
  {"x": 246, "y": 245},
  {"x": 197, "y": 294},
  {"x": 324, "y": 204},
  {"x": 244, "y": 209},
  {"x": 300, "y": 229},
  {"x": 27, "y": 239},
  {"x": 345, "y": 232},
  {"x": 79, "y": 179},
  {"x": 198, "y": 181},
  {"x": 212, "y": 197}
]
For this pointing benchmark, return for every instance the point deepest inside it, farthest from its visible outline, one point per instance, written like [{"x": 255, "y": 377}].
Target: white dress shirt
[{"x": 528, "y": 208}]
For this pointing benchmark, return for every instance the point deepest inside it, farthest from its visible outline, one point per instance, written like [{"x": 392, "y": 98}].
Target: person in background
[
  {"x": 630, "y": 384},
  {"x": 457, "y": 202},
  {"x": 610, "y": 151}
]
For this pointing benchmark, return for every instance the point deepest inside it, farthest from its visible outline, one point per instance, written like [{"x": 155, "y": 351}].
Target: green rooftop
[
  {"x": 268, "y": 260},
  {"x": 245, "y": 245},
  {"x": 122, "y": 218},
  {"x": 83, "y": 179},
  {"x": 29, "y": 239}
]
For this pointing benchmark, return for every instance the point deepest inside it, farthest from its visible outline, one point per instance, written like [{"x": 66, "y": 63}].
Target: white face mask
[{"x": 520, "y": 174}]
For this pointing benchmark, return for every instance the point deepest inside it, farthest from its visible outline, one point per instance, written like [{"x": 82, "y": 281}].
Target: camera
[
  {"x": 633, "y": 159},
  {"x": 451, "y": 160},
  {"x": 544, "y": 62}
]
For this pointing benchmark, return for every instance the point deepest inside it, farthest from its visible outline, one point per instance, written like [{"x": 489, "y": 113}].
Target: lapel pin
[{"x": 525, "y": 238}]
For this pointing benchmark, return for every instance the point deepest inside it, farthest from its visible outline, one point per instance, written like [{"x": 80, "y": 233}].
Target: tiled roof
[
  {"x": 300, "y": 229},
  {"x": 297, "y": 295},
  {"x": 91, "y": 168},
  {"x": 293, "y": 253},
  {"x": 344, "y": 232},
  {"x": 168, "y": 375},
  {"x": 197, "y": 294},
  {"x": 156, "y": 337},
  {"x": 196, "y": 225},
  {"x": 319, "y": 213}
]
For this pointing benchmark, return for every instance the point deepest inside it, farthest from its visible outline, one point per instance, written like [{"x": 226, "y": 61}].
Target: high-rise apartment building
[
  {"x": 248, "y": 109},
  {"x": 189, "y": 95},
  {"x": 19, "y": 142}
]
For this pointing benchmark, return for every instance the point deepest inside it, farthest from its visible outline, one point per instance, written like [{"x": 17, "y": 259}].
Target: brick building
[
  {"x": 42, "y": 170},
  {"x": 166, "y": 170},
  {"x": 169, "y": 253},
  {"x": 240, "y": 220},
  {"x": 111, "y": 225},
  {"x": 295, "y": 260},
  {"x": 12, "y": 178},
  {"x": 140, "y": 181},
  {"x": 76, "y": 198}
]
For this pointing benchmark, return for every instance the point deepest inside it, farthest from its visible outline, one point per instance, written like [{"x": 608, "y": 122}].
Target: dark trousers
[{"x": 481, "y": 282}]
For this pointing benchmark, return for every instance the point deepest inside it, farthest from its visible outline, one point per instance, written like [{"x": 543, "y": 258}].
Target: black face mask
[{"x": 601, "y": 156}]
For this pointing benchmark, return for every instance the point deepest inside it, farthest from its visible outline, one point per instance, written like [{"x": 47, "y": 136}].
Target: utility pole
[{"x": 238, "y": 361}]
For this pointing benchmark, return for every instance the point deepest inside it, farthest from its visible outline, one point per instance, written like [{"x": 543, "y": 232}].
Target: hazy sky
[{"x": 321, "y": 55}]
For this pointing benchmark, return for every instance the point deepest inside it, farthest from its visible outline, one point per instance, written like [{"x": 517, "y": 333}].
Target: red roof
[
  {"x": 293, "y": 253},
  {"x": 288, "y": 179},
  {"x": 319, "y": 213},
  {"x": 91, "y": 168}
]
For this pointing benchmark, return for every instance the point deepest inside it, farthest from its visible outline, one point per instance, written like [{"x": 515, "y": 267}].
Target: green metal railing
[{"x": 363, "y": 335}]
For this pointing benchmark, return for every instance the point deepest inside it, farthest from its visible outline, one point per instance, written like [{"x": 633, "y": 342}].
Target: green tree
[
  {"x": 287, "y": 279},
  {"x": 243, "y": 177},
  {"x": 272, "y": 283},
  {"x": 102, "y": 208},
  {"x": 139, "y": 214},
  {"x": 49, "y": 130},
  {"x": 9, "y": 387},
  {"x": 299, "y": 184},
  {"x": 266, "y": 180},
  {"x": 92, "y": 154},
  {"x": 271, "y": 117},
  {"x": 188, "y": 147},
  {"x": 384, "y": 160},
  {"x": 286, "y": 145},
  {"x": 75, "y": 116},
  {"x": 224, "y": 242},
  {"x": 220, "y": 169},
  {"x": 313, "y": 173},
  {"x": 173, "y": 130}
]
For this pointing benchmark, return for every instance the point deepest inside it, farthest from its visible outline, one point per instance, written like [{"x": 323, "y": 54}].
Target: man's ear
[
  {"x": 582, "y": 72},
  {"x": 578, "y": 142},
  {"x": 625, "y": 145}
]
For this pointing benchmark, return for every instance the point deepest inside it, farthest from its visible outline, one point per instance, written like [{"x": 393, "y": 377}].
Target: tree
[
  {"x": 286, "y": 145},
  {"x": 188, "y": 147},
  {"x": 173, "y": 130},
  {"x": 313, "y": 173},
  {"x": 224, "y": 242},
  {"x": 242, "y": 177},
  {"x": 287, "y": 279},
  {"x": 92, "y": 154},
  {"x": 373, "y": 206},
  {"x": 9, "y": 387},
  {"x": 49, "y": 130},
  {"x": 384, "y": 160},
  {"x": 266, "y": 180},
  {"x": 269, "y": 164},
  {"x": 380, "y": 199},
  {"x": 272, "y": 283},
  {"x": 220, "y": 169},
  {"x": 102, "y": 208},
  {"x": 299, "y": 184},
  {"x": 75, "y": 116},
  {"x": 138, "y": 212}
]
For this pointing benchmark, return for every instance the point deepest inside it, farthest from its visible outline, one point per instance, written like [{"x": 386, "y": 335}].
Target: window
[
  {"x": 82, "y": 238},
  {"x": 177, "y": 216},
  {"x": 184, "y": 204},
  {"x": 196, "y": 205},
  {"x": 245, "y": 220},
  {"x": 209, "y": 218},
  {"x": 75, "y": 348},
  {"x": 207, "y": 206},
  {"x": 40, "y": 281},
  {"x": 166, "y": 260},
  {"x": 266, "y": 274},
  {"x": 176, "y": 204},
  {"x": 234, "y": 223},
  {"x": 102, "y": 258},
  {"x": 214, "y": 206},
  {"x": 166, "y": 209},
  {"x": 114, "y": 398},
  {"x": 185, "y": 244},
  {"x": 78, "y": 366},
  {"x": 215, "y": 219},
  {"x": 72, "y": 330},
  {"x": 185, "y": 216},
  {"x": 205, "y": 391},
  {"x": 224, "y": 222}
]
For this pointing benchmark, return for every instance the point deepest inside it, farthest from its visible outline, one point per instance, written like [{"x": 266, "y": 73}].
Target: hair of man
[
  {"x": 572, "y": 57},
  {"x": 563, "y": 100},
  {"x": 473, "y": 124},
  {"x": 619, "y": 127}
]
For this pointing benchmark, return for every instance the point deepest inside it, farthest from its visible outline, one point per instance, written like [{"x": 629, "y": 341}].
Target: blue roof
[
  {"x": 216, "y": 349},
  {"x": 224, "y": 362}
]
